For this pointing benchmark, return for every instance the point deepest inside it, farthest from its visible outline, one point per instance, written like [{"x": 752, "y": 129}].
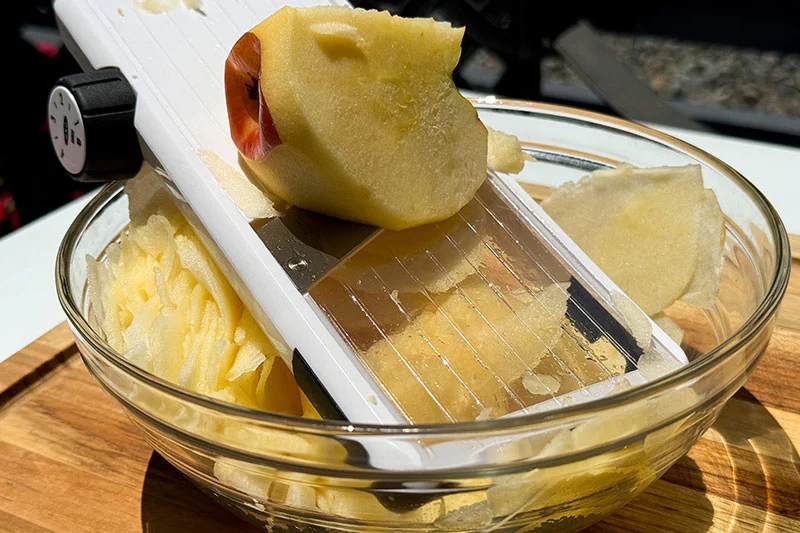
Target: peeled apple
[{"x": 353, "y": 113}]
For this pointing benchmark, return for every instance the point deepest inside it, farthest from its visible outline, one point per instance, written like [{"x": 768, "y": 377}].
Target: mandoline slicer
[{"x": 492, "y": 313}]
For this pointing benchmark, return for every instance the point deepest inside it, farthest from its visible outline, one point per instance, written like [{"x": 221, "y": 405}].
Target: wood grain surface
[{"x": 71, "y": 461}]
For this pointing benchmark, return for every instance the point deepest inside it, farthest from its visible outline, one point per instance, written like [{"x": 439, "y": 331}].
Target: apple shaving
[
  {"x": 670, "y": 328},
  {"x": 634, "y": 319},
  {"x": 704, "y": 286},
  {"x": 505, "y": 153},
  {"x": 251, "y": 200},
  {"x": 656, "y": 232}
]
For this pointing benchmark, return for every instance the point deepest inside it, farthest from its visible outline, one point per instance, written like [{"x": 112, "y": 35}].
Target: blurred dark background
[
  {"x": 32, "y": 182},
  {"x": 728, "y": 67}
]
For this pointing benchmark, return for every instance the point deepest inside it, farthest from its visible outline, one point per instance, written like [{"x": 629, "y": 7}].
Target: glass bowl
[{"x": 557, "y": 471}]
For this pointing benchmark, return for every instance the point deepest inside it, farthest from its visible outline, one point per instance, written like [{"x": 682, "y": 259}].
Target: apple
[{"x": 353, "y": 113}]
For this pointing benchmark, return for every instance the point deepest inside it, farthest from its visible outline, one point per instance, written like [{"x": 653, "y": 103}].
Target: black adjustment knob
[{"x": 91, "y": 126}]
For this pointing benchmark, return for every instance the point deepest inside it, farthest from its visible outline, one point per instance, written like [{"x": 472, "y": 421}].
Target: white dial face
[{"x": 66, "y": 130}]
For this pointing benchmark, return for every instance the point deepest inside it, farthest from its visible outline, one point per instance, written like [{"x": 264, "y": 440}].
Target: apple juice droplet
[{"x": 297, "y": 264}]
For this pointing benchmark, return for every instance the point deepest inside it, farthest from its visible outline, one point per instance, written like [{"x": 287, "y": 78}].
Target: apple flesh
[{"x": 354, "y": 114}]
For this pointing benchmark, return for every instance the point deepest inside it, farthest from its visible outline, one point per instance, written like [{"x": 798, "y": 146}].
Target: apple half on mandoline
[{"x": 353, "y": 113}]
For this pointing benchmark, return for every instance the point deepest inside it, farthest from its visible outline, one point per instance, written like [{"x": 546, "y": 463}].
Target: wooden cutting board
[{"x": 71, "y": 461}]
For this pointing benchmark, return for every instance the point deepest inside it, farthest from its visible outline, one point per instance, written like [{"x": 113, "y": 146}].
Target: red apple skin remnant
[{"x": 252, "y": 128}]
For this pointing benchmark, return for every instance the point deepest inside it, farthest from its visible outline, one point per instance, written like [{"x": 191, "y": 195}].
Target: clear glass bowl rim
[{"x": 762, "y": 314}]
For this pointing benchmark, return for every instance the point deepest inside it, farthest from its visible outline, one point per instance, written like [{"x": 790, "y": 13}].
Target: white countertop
[
  {"x": 28, "y": 303},
  {"x": 29, "y": 307}
]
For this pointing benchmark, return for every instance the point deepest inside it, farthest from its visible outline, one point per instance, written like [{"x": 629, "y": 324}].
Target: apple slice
[
  {"x": 704, "y": 287},
  {"x": 655, "y": 231},
  {"x": 354, "y": 114}
]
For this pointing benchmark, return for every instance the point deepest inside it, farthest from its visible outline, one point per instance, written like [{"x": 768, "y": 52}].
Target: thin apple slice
[
  {"x": 641, "y": 226},
  {"x": 672, "y": 329},
  {"x": 703, "y": 289}
]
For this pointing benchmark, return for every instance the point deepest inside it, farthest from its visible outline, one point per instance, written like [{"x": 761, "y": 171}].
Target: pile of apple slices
[{"x": 162, "y": 302}]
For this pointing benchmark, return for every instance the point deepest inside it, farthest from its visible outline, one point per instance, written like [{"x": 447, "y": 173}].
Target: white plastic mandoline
[{"x": 175, "y": 62}]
